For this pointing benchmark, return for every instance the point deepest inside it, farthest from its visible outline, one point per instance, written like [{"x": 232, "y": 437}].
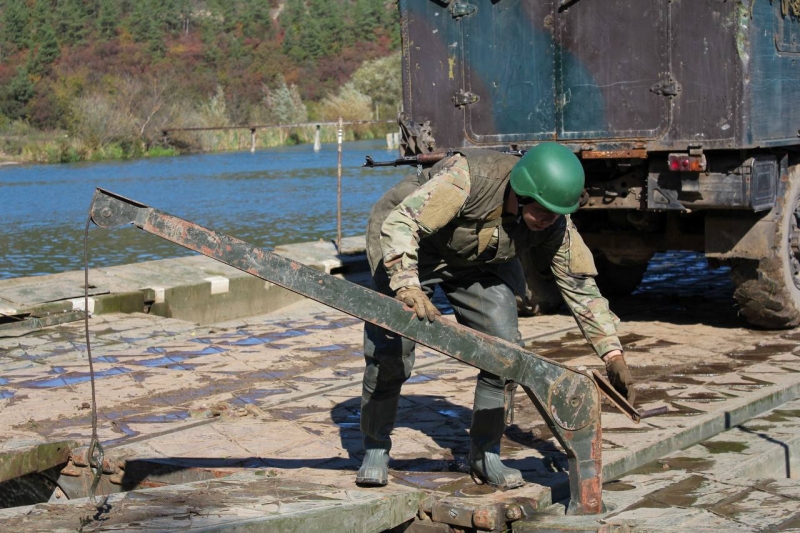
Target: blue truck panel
[{"x": 657, "y": 75}]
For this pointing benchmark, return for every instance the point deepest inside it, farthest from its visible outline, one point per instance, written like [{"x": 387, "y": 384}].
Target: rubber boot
[
  {"x": 377, "y": 423},
  {"x": 488, "y": 425}
]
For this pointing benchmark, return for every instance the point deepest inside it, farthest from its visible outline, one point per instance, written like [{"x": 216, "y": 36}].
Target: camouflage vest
[{"x": 464, "y": 240}]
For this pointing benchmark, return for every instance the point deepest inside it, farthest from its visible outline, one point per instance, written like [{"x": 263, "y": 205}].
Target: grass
[{"x": 22, "y": 144}]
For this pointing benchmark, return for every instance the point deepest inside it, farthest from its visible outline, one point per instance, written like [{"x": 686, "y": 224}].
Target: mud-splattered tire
[
  {"x": 617, "y": 280},
  {"x": 768, "y": 290}
]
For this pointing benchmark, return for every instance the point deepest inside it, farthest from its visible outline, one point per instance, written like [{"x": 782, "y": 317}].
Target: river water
[{"x": 270, "y": 197}]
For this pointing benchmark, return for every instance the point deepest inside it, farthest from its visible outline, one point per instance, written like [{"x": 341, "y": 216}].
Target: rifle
[
  {"x": 422, "y": 159},
  {"x": 413, "y": 160}
]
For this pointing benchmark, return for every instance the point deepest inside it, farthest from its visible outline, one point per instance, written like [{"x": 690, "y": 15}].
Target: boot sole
[
  {"x": 479, "y": 480},
  {"x": 371, "y": 482}
]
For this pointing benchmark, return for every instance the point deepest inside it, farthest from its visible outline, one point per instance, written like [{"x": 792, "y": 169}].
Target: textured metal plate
[{"x": 571, "y": 402}]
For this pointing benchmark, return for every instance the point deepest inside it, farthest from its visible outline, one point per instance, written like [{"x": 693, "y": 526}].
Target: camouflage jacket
[{"x": 441, "y": 202}]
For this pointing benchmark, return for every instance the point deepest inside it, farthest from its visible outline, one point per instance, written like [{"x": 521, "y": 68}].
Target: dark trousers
[{"x": 480, "y": 300}]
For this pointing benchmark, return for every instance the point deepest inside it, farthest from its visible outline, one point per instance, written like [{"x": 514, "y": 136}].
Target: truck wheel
[
  {"x": 617, "y": 280},
  {"x": 768, "y": 290}
]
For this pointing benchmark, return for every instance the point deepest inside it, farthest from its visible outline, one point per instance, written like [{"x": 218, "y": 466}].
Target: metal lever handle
[
  {"x": 619, "y": 401},
  {"x": 654, "y": 412}
]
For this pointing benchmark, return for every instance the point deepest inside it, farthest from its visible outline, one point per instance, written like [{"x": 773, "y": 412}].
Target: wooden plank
[{"x": 250, "y": 501}]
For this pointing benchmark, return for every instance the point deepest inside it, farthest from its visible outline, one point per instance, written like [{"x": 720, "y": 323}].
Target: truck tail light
[{"x": 687, "y": 163}]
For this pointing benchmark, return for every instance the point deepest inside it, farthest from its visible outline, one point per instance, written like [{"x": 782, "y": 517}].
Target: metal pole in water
[
  {"x": 252, "y": 140},
  {"x": 317, "y": 143},
  {"x": 339, "y": 190}
]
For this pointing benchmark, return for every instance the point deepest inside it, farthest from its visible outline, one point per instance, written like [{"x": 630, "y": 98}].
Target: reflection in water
[
  {"x": 72, "y": 378},
  {"x": 271, "y": 197}
]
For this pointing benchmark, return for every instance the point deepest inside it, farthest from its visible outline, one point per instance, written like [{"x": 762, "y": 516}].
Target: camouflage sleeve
[
  {"x": 423, "y": 212},
  {"x": 574, "y": 271}
]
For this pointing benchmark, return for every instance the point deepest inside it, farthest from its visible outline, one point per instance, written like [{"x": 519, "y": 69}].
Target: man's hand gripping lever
[
  {"x": 416, "y": 299},
  {"x": 618, "y": 388},
  {"x": 618, "y": 375}
]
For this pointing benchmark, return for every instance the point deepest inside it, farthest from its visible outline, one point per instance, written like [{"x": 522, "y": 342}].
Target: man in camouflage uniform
[{"x": 462, "y": 225}]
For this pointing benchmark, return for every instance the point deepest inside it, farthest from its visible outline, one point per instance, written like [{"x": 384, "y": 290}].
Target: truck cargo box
[
  {"x": 685, "y": 114},
  {"x": 606, "y": 75}
]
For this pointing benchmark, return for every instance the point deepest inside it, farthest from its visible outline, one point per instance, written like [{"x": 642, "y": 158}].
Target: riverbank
[
  {"x": 21, "y": 144},
  {"x": 254, "y": 420},
  {"x": 58, "y": 147}
]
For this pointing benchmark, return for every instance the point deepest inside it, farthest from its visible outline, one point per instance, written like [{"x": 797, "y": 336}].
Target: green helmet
[{"x": 550, "y": 174}]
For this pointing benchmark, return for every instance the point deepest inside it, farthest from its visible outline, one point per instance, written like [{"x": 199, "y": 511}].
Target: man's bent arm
[
  {"x": 574, "y": 272},
  {"x": 422, "y": 213}
]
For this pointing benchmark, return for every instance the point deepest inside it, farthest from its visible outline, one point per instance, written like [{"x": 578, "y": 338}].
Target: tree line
[{"x": 110, "y": 74}]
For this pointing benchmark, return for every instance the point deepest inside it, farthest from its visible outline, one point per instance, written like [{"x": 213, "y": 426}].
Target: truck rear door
[
  {"x": 613, "y": 69},
  {"x": 596, "y": 70},
  {"x": 509, "y": 57}
]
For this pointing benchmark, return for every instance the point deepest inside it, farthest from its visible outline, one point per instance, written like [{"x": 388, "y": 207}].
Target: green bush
[{"x": 161, "y": 151}]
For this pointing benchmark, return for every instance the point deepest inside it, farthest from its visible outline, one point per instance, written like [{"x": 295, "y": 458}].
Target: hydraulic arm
[{"x": 567, "y": 399}]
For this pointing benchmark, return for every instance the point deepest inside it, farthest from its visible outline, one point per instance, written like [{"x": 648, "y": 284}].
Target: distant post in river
[
  {"x": 339, "y": 189},
  {"x": 252, "y": 140},
  {"x": 317, "y": 143}
]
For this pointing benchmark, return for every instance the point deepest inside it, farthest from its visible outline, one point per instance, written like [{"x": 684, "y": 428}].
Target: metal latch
[
  {"x": 696, "y": 149},
  {"x": 462, "y": 9},
  {"x": 462, "y": 98},
  {"x": 668, "y": 87}
]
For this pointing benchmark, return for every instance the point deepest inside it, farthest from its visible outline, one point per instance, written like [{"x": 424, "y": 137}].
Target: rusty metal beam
[
  {"x": 568, "y": 399},
  {"x": 614, "y": 154}
]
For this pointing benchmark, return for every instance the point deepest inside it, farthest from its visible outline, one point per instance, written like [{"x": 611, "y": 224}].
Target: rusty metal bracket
[
  {"x": 568, "y": 399},
  {"x": 415, "y": 138},
  {"x": 660, "y": 196}
]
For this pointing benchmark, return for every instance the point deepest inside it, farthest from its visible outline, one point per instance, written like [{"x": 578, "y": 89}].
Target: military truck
[{"x": 684, "y": 113}]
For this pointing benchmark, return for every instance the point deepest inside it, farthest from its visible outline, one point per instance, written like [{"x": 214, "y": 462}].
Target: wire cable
[{"x": 96, "y": 453}]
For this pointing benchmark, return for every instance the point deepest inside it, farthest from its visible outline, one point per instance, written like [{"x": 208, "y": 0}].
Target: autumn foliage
[{"x": 113, "y": 73}]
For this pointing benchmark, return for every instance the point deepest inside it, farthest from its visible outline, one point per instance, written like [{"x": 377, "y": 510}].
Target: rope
[{"x": 96, "y": 453}]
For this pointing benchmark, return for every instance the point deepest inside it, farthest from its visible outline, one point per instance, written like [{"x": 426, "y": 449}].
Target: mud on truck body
[{"x": 684, "y": 113}]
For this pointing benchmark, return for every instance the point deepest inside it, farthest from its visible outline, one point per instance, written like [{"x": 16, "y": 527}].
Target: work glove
[
  {"x": 419, "y": 302},
  {"x": 620, "y": 377}
]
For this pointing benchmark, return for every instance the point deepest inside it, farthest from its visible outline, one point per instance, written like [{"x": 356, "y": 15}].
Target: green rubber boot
[
  {"x": 377, "y": 423},
  {"x": 488, "y": 424}
]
